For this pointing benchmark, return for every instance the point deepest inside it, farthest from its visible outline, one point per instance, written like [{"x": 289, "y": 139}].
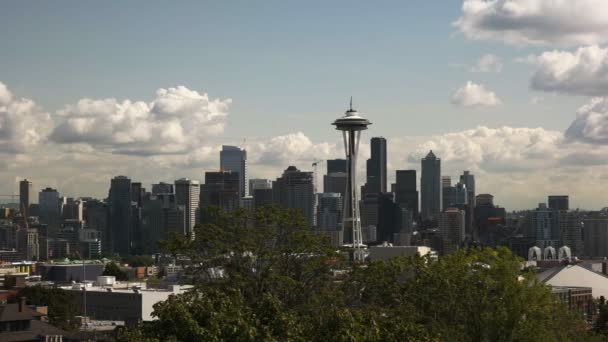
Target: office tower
[
  {"x": 406, "y": 192},
  {"x": 49, "y": 206},
  {"x": 162, "y": 188},
  {"x": 430, "y": 185},
  {"x": 329, "y": 211},
  {"x": 446, "y": 181},
  {"x": 262, "y": 197},
  {"x": 571, "y": 230},
  {"x": 233, "y": 158},
  {"x": 376, "y": 167},
  {"x": 25, "y": 196},
  {"x": 489, "y": 220},
  {"x": 96, "y": 217},
  {"x": 259, "y": 183},
  {"x": 546, "y": 224},
  {"x": 73, "y": 209},
  {"x": 336, "y": 165},
  {"x": 596, "y": 236},
  {"x": 369, "y": 210},
  {"x": 559, "y": 202},
  {"x": 28, "y": 243},
  {"x": 187, "y": 194},
  {"x": 351, "y": 125},
  {"x": 393, "y": 219},
  {"x": 152, "y": 223},
  {"x": 295, "y": 190},
  {"x": 221, "y": 190},
  {"x": 469, "y": 181},
  {"x": 455, "y": 196},
  {"x": 120, "y": 223},
  {"x": 137, "y": 193},
  {"x": 451, "y": 228}
]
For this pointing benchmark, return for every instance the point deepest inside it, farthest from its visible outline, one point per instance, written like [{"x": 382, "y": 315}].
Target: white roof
[{"x": 576, "y": 276}]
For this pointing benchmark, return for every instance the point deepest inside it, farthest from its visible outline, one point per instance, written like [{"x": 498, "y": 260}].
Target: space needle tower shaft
[{"x": 351, "y": 125}]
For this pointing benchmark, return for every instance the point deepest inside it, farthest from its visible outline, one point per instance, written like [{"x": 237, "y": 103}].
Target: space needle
[{"x": 351, "y": 125}]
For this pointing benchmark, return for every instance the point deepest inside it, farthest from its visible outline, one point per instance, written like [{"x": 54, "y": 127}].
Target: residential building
[
  {"x": 451, "y": 228},
  {"x": 187, "y": 194}
]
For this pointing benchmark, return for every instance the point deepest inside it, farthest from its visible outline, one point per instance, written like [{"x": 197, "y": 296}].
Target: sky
[{"x": 514, "y": 91}]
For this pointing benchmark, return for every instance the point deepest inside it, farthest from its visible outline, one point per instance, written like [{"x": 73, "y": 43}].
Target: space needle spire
[{"x": 351, "y": 125}]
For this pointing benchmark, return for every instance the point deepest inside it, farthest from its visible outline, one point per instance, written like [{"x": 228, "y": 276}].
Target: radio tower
[{"x": 351, "y": 125}]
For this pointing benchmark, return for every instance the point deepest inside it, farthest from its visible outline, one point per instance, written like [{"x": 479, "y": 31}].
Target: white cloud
[
  {"x": 177, "y": 121},
  {"x": 285, "y": 149},
  {"x": 23, "y": 124},
  {"x": 583, "y": 72},
  {"x": 536, "y": 22},
  {"x": 472, "y": 94},
  {"x": 591, "y": 123},
  {"x": 487, "y": 63}
]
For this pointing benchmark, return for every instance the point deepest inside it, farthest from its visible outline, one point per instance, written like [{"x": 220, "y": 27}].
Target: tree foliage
[
  {"x": 138, "y": 260},
  {"x": 112, "y": 269},
  {"x": 61, "y": 307},
  {"x": 268, "y": 278}
]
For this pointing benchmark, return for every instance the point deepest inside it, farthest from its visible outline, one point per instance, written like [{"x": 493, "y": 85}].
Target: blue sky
[{"x": 289, "y": 67}]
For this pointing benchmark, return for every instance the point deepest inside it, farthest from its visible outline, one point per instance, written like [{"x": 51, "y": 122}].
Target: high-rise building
[
  {"x": 446, "y": 181},
  {"x": 489, "y": 220},
  {"x": 49, "y": 206},
  {"x": 571, "y": 230},
  {"x": 25, "y": 197},
  {"x": 596, "y": 236},
  {"x": 262, "y": 197},
  {"x": 295, "y": 190},
  {"x": 468, "y": 180},
  {"x": 121, "y": 223},
  {"x": 233, "y": 158},
  {"x": 73, "y": 209},
  {"x": 329, "y": 211},
  {"x": 259, "y": 183},
  {"x": 430, "y": 185},
  {"x": 393, "y": 219},
  {"x": 162, "y": 188},
  {"x": 559, "y": 202},
  {"x": 451, "y": 228},
  {"x": 221, "y": 190},
  {"x": 406, "y": 192},
  {"x": 187, "y": 194},
  {"x": 546, "y": 223},
  {"x": 336, "y": 165},
  {"x": 376, "y": 167}
]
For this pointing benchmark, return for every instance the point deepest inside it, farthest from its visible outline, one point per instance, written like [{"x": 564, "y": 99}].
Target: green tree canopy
[
  {"x": 112, "y": 269},
  {"x": 281, "y": 282},
  {"x": 61, "y": 307}
]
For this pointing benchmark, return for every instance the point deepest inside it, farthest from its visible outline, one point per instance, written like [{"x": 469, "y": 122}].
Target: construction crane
[{"x": 314, "y": 174}]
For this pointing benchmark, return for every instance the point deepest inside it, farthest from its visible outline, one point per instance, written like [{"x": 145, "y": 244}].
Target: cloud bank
[{"x": 535, "y": 22}]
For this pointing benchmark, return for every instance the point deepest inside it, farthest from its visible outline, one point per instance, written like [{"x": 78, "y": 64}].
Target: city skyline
[{"x": 489, "y": 99}]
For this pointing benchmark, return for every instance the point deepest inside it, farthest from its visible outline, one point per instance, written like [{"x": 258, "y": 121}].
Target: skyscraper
[
  {"x": 49, "y": 206},
  {"x": 295, "y": 190},
  {"x": 335, "y": 179},
  {"x": 221, "y": 190},
  {"x": 468, "y": 180},
  {"x": 430, "y": 185},
  {"x": 259, "y": 183},
  {"x": 233, "y": 158},
  {"x": 406, "y": 192},
  {"x": 329, "y": 213},
  {"x": 187, "y": 194},
  {"x": 121, "y": 224},
  {"x": 25, "y": 196},
  {"x": 351, "y": 125},
  {"x": 559, "y": 202},
  {"x": 376, "y": 167}
]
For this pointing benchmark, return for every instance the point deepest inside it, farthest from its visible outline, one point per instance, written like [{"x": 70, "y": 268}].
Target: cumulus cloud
[
  {"x": 23, "y": 124},
  {"x": 472, "y": 94},
  {"x": 591, "y": 123},
  {"x": 535, "y": 22},
  {"x": 487, "y": 63},
  {"x": 583, "y": 72},
  {"x": 292, "y": 147},
  {"x": 177, "y": 121}
]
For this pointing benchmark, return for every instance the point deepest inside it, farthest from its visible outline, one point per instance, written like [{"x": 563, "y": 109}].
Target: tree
[
  {"x": 61, "y": 307},
  {"x": 267, "y": 277},
  {"x": 112, "y": 269}
]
